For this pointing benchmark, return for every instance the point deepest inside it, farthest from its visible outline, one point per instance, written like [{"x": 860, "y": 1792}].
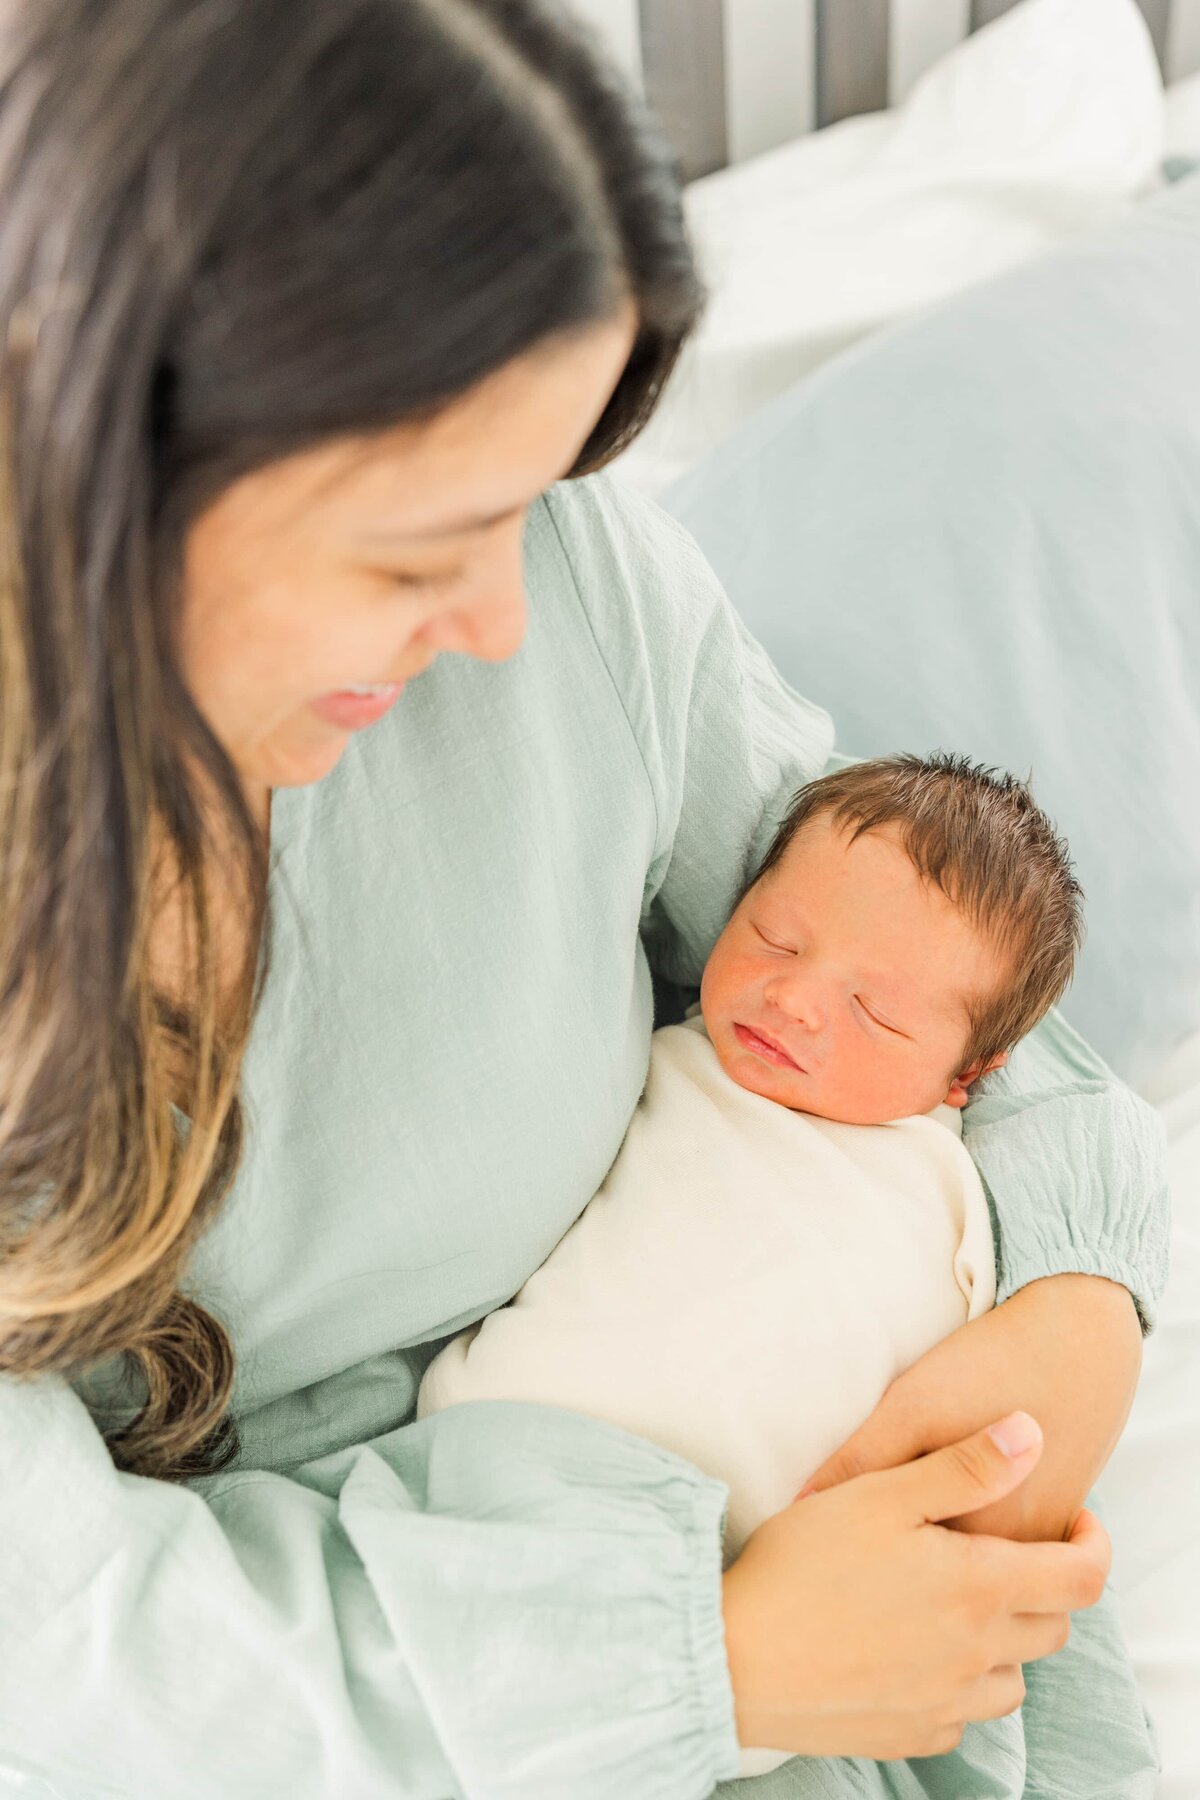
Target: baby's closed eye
[{"x": 881, "y": 1024}]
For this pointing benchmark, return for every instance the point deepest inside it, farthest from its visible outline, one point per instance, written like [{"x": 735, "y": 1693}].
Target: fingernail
[
  {"x": 806, "y": 1491},
  {"x": 1015, "y": 1434}
]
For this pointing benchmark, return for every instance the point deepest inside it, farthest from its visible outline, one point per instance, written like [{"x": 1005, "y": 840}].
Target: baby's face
[{"x": 859, "y": 970}]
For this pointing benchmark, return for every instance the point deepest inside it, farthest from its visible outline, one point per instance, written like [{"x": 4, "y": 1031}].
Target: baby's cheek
[
  {"x": 725, "y": 991},
  {"x": 870, "y": 1082},
  {"x": 710, "y": 998},
  {"x": 910, "y": 1090}
]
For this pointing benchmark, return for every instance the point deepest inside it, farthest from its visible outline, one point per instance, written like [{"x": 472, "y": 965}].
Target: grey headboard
[{"x": 683, "y": 60}]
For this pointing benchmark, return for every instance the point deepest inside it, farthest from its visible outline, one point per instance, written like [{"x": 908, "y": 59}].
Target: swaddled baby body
[{"x": 792, "y": 1220}]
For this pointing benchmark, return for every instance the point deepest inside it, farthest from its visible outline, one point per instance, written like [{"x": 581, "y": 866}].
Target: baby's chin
[{"x": 789, "y": 1087}]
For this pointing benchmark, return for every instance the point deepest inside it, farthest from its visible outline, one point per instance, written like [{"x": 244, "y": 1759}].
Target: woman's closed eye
[{"x": 423, "y": 584}]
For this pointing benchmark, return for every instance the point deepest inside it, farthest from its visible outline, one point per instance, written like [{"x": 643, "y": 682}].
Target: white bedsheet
[
  {"x": 1047, "y": 122},
  {"x": 1182, "y": 104},
  {"x": 1151, "y": 1490}
]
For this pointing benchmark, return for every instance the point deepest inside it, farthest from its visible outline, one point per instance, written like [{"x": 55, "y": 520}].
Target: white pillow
[{"x": 1045, "y": 122}]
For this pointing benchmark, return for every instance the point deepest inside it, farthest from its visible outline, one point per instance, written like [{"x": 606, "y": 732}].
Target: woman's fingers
[
  {"x": 1033, "y": 1636},
  {"x": 1088, "y": 1533},
  {"x": 963, "y": 1477},
  {"x": 998, "y": 1692},
  {"x": 887, "y": 1736},
  {"x": 1049, "y": 1578},
  {"x": 852, "y": 1605}
]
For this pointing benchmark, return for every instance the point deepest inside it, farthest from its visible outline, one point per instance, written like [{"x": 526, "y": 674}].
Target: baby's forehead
[{"x": 860, "y": 861}]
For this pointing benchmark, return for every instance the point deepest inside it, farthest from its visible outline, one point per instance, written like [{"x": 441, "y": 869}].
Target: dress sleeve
[
  {"x": 725, "y": 741},
  {"x": 1073, "y": 1163},
  {"x": 503, "y": 1599}
]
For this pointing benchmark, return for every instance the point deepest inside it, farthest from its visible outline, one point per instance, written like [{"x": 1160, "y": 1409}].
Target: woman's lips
[
  {"x": 764, "y": 1047},
  {"x": 351, "y": 712}
]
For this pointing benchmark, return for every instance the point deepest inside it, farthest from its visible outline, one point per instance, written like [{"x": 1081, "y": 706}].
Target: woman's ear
[{"x": 958, "y": 1095}]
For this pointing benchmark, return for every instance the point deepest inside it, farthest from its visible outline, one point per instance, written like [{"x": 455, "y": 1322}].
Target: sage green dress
[{"x": 504, "y": 1601}]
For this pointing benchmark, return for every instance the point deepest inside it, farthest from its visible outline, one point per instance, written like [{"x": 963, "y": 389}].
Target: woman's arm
[
  {"x": 840, "y": 1607},
  {"x": 725, "y": 743},
  {"x": 1074, "y": 1166},
  {"x": 1075, "y": 1169},
  {"x": 1067, "y": 1349},
  {"x": 502, "y": 1599}
]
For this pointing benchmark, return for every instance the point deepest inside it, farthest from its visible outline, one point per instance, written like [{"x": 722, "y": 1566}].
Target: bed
[
  {"x": 1049, "y": 121},
  {"x": 950, "y": 351}
]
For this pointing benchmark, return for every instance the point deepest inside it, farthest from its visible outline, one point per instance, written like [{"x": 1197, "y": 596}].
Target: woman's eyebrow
[{"x": 451, "y": 528}]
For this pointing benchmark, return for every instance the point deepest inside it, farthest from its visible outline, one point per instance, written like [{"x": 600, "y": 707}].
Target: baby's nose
[{"x": 798, "y": 1001}]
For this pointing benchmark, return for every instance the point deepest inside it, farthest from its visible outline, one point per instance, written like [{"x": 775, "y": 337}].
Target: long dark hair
[{"x": 229, "y": 229}]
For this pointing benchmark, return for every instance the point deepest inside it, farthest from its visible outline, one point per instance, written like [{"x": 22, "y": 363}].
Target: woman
[{"x": 306, "y": 307}]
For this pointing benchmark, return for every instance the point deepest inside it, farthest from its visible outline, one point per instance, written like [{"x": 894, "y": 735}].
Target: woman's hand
[
  {"x": 856, "y": 1626},
  {"x": 1067, "y": 1349}
]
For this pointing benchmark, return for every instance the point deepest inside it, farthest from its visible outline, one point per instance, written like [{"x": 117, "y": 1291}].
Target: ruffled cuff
[{"x": 1075, "y": 1169}]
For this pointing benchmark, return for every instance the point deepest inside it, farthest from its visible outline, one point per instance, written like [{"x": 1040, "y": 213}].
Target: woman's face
[{"x": 356, "y": 563}]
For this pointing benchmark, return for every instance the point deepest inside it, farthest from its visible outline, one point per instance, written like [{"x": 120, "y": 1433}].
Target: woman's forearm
[
  {"x": 1066, "y": 1349},
  {"x": 1069, "y": 1350},
  {"x": 1074, "y": 1166}
]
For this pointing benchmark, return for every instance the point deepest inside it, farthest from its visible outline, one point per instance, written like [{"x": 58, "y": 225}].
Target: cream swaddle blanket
[{"x": 744, "y": 1286}]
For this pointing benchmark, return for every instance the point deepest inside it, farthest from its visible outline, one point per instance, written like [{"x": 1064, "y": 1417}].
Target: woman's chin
[{"x": 300, "y": 764}]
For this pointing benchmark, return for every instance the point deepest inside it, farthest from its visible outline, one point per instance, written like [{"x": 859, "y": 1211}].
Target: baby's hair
[{"x": 977, "y": 833}]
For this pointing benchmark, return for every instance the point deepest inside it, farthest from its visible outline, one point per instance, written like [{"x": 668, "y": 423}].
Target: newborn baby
[{"x": 792, "y": 1220}]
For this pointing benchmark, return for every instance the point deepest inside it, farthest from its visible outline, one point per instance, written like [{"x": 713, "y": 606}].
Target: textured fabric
[
  {"x": 505, "y": 1600},
  {"x": 1056, "y": 1120},
  {"x": 1082, "y": 1734},
  {"x": 735, "y": 1248}
]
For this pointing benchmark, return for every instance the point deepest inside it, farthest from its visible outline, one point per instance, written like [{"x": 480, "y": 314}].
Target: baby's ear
[{"x": 958, "y": 1095}]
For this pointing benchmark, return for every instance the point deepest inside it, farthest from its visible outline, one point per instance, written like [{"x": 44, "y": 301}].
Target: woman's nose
[{"x": 489, "y": 622}]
